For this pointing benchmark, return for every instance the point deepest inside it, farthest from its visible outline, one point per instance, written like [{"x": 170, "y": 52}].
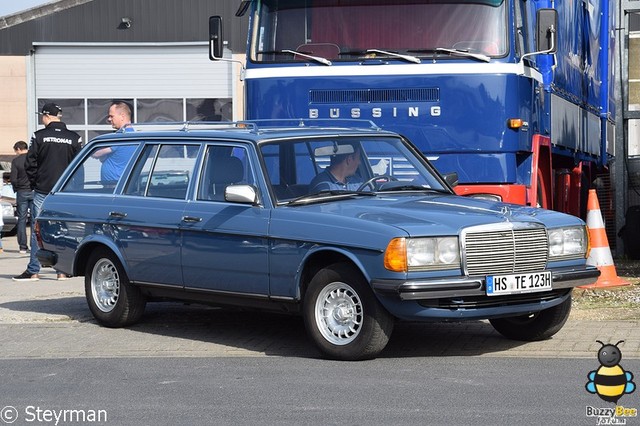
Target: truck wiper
[
  {"x": 320, "y": 59},
  {"x": 465, "y": 53},
  {"x": 407, "y": 58},
  {"x": 293, "y": 52}
]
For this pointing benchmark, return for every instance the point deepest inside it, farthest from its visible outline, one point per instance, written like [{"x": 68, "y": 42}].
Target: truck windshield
[{"x": 357, "y": 30}]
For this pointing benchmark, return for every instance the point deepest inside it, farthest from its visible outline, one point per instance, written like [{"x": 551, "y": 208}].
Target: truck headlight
[
  {"x": 569, "y": 243},
  {"x": 422, "y": 254}
]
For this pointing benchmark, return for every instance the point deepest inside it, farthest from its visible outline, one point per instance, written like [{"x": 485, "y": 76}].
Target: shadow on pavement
[{"x": 277, "y": 334}]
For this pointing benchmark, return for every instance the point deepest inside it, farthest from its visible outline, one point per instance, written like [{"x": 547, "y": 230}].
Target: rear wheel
[
  {"x": 113, "y": 301},
  {"x": 537, "y": 326},
  {"x": 343, "y": 316}
]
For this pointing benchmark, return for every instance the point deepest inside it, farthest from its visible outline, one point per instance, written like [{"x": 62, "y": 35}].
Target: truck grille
[
  {"x": 514, "y": 248},
  {"x": 359, "y": 96}
]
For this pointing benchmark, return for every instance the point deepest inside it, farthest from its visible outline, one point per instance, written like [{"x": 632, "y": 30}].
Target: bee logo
[{"x": 610, "y": 381}]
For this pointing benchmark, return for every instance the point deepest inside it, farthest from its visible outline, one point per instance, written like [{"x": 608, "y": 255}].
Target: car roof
[{"x": 250, "y": 130}]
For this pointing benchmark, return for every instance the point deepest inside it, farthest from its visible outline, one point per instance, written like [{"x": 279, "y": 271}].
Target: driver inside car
[{"x": 339, "y": 175}]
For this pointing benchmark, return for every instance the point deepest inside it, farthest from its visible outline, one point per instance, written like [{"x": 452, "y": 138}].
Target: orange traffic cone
[{"x": 600, "y": 255}]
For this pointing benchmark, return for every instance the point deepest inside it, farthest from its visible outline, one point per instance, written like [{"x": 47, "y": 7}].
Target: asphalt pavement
[{"x": 50, "y": 319}]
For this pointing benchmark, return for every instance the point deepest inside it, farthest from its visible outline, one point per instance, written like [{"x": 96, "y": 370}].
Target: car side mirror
[
  {"x": 243, "y": 194},
  {"x": 215, "y": 38}
]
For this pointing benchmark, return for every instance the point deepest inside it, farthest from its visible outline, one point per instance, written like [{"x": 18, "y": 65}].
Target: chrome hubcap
[
  {"x": 339, "y": 313},
  {"x": 105, "y": 285}
]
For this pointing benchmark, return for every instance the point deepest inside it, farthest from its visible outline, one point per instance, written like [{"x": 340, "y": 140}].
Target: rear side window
[{"x": 163, "y": 171}]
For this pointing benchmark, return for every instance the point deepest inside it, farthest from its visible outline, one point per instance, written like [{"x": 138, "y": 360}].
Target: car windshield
[
  {"x": 322, "y": 31},
  {"x": 308, "y": 170}
]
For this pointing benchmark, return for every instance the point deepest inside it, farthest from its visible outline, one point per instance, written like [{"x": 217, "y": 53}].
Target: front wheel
[
  {"x": 537, "y": 326},
  {"x": 342, "y": 315},
  {"x": 113, "y": 301}
]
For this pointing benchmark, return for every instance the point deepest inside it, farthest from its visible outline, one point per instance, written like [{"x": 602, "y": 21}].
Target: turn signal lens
[
  {"x": 515, "y": 123},
  {"x": 395, "y": 256}
]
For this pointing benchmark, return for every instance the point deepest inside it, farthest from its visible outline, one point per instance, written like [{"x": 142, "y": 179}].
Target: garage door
[{"x": 162, "y": 82}]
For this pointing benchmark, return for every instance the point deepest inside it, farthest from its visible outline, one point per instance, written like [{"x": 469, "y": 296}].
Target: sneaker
[
  {"x": 62, "y": 277},
  {"x": 23, "y": 250},
  {"x": 26, "y": 276}
]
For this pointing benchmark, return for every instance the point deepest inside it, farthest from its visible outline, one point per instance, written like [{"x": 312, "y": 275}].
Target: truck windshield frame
[{"x": 359, "y": 30}]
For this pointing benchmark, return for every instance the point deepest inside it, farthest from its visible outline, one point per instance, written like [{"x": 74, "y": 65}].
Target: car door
[
  {"x": 224, "y": 246},
  {"x": 148, "y": 213}
]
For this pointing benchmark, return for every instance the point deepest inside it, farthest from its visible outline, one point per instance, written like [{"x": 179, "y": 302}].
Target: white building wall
[{"x": 130, "y": 71}]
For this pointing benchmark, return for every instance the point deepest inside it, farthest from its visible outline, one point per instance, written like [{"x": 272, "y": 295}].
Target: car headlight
[
  {"x": 569, "y": 243},
  {"x": 488, "y": 197},
  {"x": 422, "y": 254}
]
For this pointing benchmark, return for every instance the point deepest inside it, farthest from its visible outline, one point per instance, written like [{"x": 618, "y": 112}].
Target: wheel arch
[
  {"x": 84, "y": 252},
  {"x": 322, "y": 258}
]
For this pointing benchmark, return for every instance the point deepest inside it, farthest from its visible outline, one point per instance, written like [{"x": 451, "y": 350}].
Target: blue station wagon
[{"x": 231, "y": 214}]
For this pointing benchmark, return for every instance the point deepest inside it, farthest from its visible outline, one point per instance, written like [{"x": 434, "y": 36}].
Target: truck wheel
[
  {"x": 537, "y": 326},
  {"x": 342, "y": 315},
  {"x": 112, "y": 300}
]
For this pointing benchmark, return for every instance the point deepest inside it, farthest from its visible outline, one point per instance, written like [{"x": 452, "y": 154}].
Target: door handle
[
  {"x": 191, "y": 219},
  {"x": 117, "y": 215}
]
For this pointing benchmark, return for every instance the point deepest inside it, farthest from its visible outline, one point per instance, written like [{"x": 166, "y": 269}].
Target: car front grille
[{"x": 508, "y": 248}]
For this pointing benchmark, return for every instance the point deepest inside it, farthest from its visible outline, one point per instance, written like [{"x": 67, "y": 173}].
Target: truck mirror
[
  {"x": 215, "y": 38},
  {"x": 546, "y": 31}
]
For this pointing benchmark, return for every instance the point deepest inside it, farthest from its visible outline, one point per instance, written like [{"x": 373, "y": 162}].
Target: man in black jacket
[
  {"x": 51, "y": 151},
  {"x": 22, "y": 188}
]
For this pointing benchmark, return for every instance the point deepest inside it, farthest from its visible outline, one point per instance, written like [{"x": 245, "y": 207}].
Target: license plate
[{"x": 498, "y": 285}]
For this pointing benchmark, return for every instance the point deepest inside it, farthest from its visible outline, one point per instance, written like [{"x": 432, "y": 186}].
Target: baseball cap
[{"x": 50, "y": 109}]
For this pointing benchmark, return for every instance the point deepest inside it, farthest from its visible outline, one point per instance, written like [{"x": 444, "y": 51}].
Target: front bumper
[{"x": 459, "y": 287}]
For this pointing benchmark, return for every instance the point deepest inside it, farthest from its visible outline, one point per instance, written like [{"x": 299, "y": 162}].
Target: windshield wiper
[
  {"x": 464, "y": 53},
  {"x": 293, "y": 52},
  {"x": 393, "y": 186},
  {"x": 320, "y": 59},
  {"x": 407, "y": 58},
  {"x": 331, "y": 194}
]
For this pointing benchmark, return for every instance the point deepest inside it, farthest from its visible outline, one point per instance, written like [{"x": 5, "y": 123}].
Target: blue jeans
[
  {"x": 36, "y": 206},
  {"x": 23, "y": 203}
]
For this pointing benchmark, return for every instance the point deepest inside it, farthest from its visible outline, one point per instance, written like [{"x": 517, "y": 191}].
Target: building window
[
  {"x": 72, "y": 109},
  {"x": 88, "y": 117}
]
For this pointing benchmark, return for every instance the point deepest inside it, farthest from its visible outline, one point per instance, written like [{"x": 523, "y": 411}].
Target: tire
[
  {"x": 113, "y": 301},
  {"x": 343, "y": 317},
  {"x": 537, "y": 326}
]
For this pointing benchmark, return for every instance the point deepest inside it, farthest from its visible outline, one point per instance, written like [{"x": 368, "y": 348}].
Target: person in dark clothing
[
  {"x": 51, "y": 151},
  {"x": 22, "y": 188}
]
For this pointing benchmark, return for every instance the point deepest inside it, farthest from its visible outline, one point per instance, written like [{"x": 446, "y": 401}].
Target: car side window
[
  {"x": 163, "y": 171},
  {"x": 223, "y": 166},
  {"x": 98, "y": 173},
  {"x": 290, "y": 167}
]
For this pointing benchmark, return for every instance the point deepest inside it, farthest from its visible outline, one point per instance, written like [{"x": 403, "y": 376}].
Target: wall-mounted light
[{"x": 125, "y": 23}]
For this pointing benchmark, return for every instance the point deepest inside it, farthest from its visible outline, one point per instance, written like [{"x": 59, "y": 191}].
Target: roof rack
[
  {"x": 251, "y": 125},
  {"x": 186, "y": 126}
]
